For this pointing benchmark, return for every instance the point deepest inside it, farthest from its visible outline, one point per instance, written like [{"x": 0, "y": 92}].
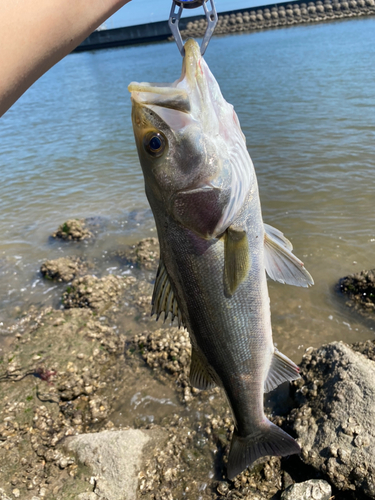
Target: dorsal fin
[
  {"x": 281, "y": 265},
  {"x": 163, "y": 298}
]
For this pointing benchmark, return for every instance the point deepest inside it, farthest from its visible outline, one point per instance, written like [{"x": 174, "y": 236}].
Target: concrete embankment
[{"x": 268, "y": 16}]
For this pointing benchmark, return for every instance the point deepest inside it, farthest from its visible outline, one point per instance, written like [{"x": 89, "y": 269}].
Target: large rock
[
  {"x": 315, "y": 489},
  {"x": 335, "y": 423},
  {"x": 115, "y": 458}
]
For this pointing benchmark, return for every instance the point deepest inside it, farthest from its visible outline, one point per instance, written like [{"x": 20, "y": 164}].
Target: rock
[
  {"x": 168, "y": 350},
  {"x": 96, "y": 293},
  {"x": 360, "y": 289},
  {"x": 73, "y": 230},
  {"x": 3, "y": 495},
  {"x": 144, "y": 254},
  {"x": 115, "y": 458},
  {"x": 63, "y": 269},
  {"x": 88, "y": 496},
  {"x": 334, "y": 424},
  {"x": 314, "y": 489}
]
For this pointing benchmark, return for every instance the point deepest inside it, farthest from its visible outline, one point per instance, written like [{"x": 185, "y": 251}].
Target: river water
[{"x": 305, "y": 97}]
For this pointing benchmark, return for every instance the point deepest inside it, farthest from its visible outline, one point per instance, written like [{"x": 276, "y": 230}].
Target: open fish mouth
[
  {"x": 189, "y": 94},
  {"x": 151, "y": 94}
]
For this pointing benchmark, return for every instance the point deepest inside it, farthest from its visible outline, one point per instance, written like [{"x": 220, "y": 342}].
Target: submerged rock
[
  {"x": 63, "y": 269},
  {"x": 144, "y": 254},
  {"x": 335, "y": 422},
  {"x": 116, "y": 459},
  {"x": 360, "y": 289},
  {"x": 315, "y": 489},
  {"x": 73, "y": 230}
]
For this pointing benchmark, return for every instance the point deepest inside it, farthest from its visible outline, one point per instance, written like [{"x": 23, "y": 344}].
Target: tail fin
[{"x": 269, "y": 440}]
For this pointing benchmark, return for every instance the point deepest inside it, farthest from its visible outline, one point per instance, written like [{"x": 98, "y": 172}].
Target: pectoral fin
[
  {"x": 281, "y": 265},
  {"x": 237, "y": 258},
  {"x": 282, "y": 370},
  {"x": 163, "y": 298},
  {"x": 278, "y": 236},
  {"x": 199, "y": 372}
]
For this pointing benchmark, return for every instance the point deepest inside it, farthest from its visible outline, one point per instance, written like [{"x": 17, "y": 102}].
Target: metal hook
[{"x": 175, "y": 16}]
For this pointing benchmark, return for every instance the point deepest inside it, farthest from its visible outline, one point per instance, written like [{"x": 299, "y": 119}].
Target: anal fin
[
  {"x": 199, "y": 372},
  {"x": 237, "y": 259},
  {"x": 282, "y": 369}
]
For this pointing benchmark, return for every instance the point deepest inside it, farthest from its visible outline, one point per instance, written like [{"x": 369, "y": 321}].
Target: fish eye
[{"x": 154, "y": 143}]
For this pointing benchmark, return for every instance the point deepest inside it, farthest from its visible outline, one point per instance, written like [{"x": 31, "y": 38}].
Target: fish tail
[{"x": 268, "y": 440}]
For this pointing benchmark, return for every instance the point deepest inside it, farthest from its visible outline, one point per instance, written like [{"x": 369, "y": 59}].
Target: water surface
[{"x": 305, "y": 97}]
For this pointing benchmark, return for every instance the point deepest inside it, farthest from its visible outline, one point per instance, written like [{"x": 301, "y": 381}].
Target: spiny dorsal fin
[
  {"x": 237, "y": 260},
  {"x": 163, "y": 298},
  {"x": 282, "y": 369},
  {"x": 199, "y": 372},
  {"x": 281, "y": 265}
]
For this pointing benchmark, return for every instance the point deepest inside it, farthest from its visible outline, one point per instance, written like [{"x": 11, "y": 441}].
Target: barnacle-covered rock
[
  {"x": 73, "y": 230},
  {"x": 334, "y": 423},
  {"x": 360, "y": 290},
  {"x": 64, "y": 269}
]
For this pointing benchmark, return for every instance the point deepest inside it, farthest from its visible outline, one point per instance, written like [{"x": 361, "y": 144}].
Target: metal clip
[{"x": 175, "y": 16}]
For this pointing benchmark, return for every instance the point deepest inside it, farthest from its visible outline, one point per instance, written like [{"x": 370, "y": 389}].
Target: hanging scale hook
[{"x": 211, "y": 15}]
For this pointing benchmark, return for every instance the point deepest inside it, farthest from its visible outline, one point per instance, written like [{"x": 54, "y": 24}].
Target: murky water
[{"x": 305, "y": 97}]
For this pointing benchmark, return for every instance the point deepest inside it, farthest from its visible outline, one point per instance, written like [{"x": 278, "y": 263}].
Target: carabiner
[{"x": 175, "y": 16}]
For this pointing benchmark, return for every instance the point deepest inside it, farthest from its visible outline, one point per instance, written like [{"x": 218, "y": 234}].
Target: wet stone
[
  {"x": 360, "y": 290},
  {"x": 73, "y": 230},
  {"x": 144, "y": 254},
  {"x": 64, "y": 269}
]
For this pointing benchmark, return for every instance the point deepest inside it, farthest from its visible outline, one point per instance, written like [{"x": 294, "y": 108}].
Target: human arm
[{"x": 36, "y": 34}]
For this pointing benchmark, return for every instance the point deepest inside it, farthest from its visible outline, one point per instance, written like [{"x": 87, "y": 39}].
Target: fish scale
[{"x": 215, "y": 249}]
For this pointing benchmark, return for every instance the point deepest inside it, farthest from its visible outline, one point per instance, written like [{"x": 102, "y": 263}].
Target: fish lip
[
  {"x": 162, "y": 96},
  {"x": 174, "y": 95}
]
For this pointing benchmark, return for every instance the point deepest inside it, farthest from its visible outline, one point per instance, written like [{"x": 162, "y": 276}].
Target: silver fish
[{"x": 215, "y": 249}]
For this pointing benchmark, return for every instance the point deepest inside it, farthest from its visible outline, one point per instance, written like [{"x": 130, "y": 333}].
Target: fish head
[{"x": 191, "y": 148}]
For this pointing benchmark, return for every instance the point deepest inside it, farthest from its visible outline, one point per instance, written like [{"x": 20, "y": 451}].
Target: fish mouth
[
  {"x": 169, "y": 99},
  {"x": 152, "y": 94}
]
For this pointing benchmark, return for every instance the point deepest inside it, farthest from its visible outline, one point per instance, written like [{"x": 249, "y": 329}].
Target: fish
[{"x": 215, "y": 249}]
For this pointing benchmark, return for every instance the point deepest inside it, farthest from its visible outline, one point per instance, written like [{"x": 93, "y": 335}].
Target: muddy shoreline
[{"x": 70, "y": 374}]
